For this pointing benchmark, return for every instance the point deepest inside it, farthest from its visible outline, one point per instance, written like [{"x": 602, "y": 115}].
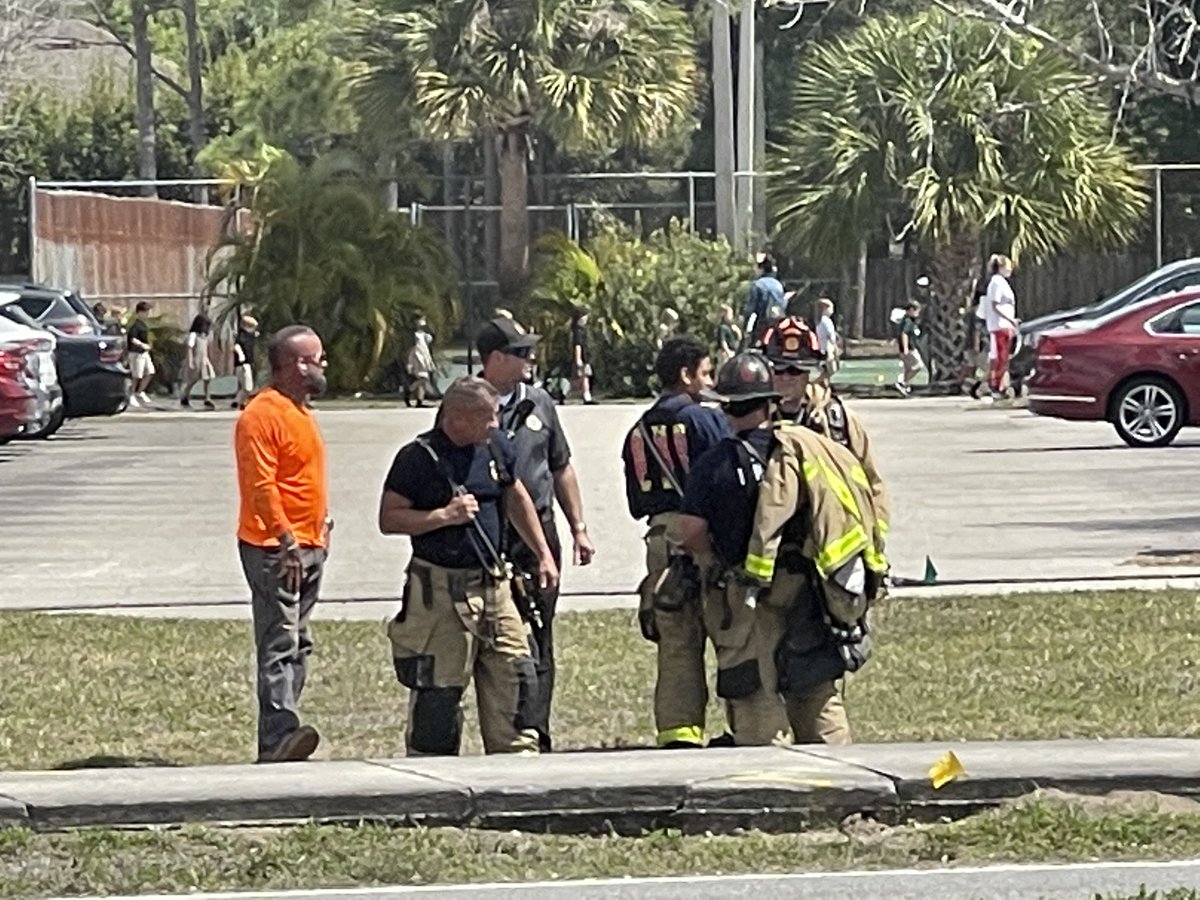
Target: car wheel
[{"x": 1147, "y": 412}]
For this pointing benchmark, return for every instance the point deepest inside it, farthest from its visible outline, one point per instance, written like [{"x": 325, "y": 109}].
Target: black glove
[{"x": 648, "y": 625}]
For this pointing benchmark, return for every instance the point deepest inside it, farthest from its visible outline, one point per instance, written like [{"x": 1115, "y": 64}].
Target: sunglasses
[{"x": 519, "y": 352}]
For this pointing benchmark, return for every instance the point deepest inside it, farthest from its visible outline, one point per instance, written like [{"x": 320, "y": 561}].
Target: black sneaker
[
  {"x": 184, "y": 401},
  {"x": 296, "y": 747}
]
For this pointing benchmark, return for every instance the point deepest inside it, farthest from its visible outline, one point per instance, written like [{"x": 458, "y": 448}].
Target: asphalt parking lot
[{"x": 140, "y": 509}]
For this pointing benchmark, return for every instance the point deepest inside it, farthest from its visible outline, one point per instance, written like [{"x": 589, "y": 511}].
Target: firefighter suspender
[{"x": 487, "y": 553}]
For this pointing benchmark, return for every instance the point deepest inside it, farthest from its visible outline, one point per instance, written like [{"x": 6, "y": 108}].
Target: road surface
[
  {"x": 1011, "y": 882},
  {"x": 140, "y": 510}
]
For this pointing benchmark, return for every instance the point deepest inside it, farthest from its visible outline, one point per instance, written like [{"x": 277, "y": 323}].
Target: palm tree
[
  {"x": 318, "y": 246},
  {"x": 943, "y": 129},
  {"x": 593, "y": 75}
]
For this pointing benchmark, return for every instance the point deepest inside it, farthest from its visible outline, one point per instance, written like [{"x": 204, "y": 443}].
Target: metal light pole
[
  {"x": 747, "y": 67},
  {"x": 723, "y": 134}
]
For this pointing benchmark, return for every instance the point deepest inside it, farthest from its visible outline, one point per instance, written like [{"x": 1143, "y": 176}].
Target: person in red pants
[{"x": 1000, "y": 314}]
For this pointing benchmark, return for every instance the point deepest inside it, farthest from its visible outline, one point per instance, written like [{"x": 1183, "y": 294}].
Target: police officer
[
  {"x": 809, "y": 400},
  {"x": 529, "y": 417},
  {"x": 657, "y": 453},
  {"x": 718, "y": 513},
  {"x": 450, "y": 490}
]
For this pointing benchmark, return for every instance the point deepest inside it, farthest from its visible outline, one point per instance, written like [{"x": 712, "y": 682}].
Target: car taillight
[
  {"x": 12, "y": 359},
  {"x": 111, "y": 352},
  {"x": 20, "y": 357},
  {"x": 77, "y": 325},
  {"x": 1048, "y": 350}
]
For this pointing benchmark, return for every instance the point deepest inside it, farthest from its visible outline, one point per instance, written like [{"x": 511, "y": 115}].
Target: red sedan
[
  {"x": 1138, "y": 368},
  {"x": 29, "y": 391}
]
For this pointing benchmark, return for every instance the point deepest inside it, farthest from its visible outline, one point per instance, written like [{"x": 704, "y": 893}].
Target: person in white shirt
[
  {"x": 827, "y": 336},
  {"x": 1000, "y": 314}
]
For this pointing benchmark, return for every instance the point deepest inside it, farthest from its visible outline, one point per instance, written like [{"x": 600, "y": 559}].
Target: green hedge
[{"x": 627, "y": 282}]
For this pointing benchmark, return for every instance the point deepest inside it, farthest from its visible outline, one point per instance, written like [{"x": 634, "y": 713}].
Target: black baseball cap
[{"x": 502, "y": 333}]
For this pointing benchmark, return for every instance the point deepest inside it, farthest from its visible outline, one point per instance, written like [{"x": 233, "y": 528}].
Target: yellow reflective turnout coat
[
  {"x": 817, "y": 401},
  {"x": 811, "y": 475}
]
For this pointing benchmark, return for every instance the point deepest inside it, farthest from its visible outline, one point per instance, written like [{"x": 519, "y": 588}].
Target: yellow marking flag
[{"x": 945, "y": 770}]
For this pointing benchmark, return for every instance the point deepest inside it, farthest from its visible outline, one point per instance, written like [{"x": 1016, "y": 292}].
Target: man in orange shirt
[{"x": 283, "y": 533}]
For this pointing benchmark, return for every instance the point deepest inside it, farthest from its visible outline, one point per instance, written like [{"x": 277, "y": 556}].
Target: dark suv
[
  {"x": 91, "y": 367},
  {"x": 1172, "y": 277}
]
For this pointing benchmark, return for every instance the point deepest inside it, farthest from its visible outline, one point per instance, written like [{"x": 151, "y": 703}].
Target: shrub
[{"x": 626, "y": 283}]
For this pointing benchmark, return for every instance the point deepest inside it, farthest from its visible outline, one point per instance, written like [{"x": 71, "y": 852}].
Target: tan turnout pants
[
  {"x": 745, "y": 638},
  {"x": 455, "y": 625},
  {"x": 815, "y": 713},
  {"x": 680, "y": 688}
]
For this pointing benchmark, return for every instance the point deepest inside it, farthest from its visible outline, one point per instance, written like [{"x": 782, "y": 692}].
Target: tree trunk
[
  {"x": 385, "y": 166},
  {"x": 859, "y": 314},
  {"x": 147, "y": 164},
  {"x": 491, "y": 197},
  {"x": 448, "y": 217},
  {"x": 953, "y": 270},
  {"x": 514, "y": 213},
  {"x": 197, "y": 129},
  {"x": 723, "y": 137}
]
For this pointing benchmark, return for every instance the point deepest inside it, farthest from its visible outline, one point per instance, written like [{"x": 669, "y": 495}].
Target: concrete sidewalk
[{"x": 694, "y": 790}]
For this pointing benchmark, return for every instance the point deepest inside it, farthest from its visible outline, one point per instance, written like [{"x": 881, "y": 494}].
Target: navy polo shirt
[
  {"x": 721, "y": 491},
  {"x": 485, "y": 472}
]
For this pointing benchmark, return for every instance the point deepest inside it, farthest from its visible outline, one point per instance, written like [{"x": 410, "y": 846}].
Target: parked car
[
  {"x": 1138, "y": 368},
  {"x": 1175, "y": 276},
  {"x": 30, "y": 395},
  {"x": 92, "y": 370}
]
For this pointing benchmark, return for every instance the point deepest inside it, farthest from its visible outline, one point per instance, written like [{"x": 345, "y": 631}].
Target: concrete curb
[{"x": 770, "y": 788}]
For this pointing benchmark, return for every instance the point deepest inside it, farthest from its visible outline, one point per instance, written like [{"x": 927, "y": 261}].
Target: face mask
[{"x": 315, "y": 380}]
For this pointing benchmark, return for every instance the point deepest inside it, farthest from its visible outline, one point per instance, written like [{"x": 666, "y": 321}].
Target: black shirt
[
  {"x": 723, "y": 490},
  {"x": 245, "y": 341},
  {"x": 138, "y": 331},
  {"x": 579, "y": 338},
  {"x": 484, "y": 472},
  {"x": 530, "y": 419}
]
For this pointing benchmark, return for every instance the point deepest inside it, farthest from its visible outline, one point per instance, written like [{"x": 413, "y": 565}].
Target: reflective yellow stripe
[
  {"x": 760, "y": 567},
  {"x": 836, "y": 553},
  {"x": 810, "y": 470},
  {"x": 840, "y": 489},
  {"x": 684, "y": 734},
  {"x": 859, "y": 474},
  {"x": 882, "y": 526},
  {"x": 875, "y": 560}
]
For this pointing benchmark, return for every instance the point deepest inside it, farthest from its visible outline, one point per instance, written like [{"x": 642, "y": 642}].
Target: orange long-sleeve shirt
[{"x": 281, "y": 472}]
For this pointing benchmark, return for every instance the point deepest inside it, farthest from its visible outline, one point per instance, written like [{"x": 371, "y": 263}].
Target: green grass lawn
[
  {"x": 313, "y": 856},
  {"x": 80, "y": 689}
]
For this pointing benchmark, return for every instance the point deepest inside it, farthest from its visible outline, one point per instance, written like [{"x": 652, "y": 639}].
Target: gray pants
[{"x": 281, "y": 637}]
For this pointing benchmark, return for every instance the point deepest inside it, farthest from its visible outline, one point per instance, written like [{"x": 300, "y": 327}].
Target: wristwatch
[{"x": 580, "y": 528}]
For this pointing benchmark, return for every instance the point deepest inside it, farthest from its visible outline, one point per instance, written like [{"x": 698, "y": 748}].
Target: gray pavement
[
  {"x": 139, "y": 510},
  {"x": 782, "y": 787},
  {"x": 1002, "y": 882}
]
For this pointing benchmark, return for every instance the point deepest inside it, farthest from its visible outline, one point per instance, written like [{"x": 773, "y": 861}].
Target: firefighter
[
  {"x": 658, "y": 453},
  {"x": 718, "y": 513},
  {"x": 450, "y": 491},
  {"x": 809, "y": 400},
  {"x": 815, "y": 553}
]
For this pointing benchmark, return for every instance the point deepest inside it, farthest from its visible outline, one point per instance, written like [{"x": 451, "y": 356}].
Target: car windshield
[{"x": 1125, "y": 296}]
